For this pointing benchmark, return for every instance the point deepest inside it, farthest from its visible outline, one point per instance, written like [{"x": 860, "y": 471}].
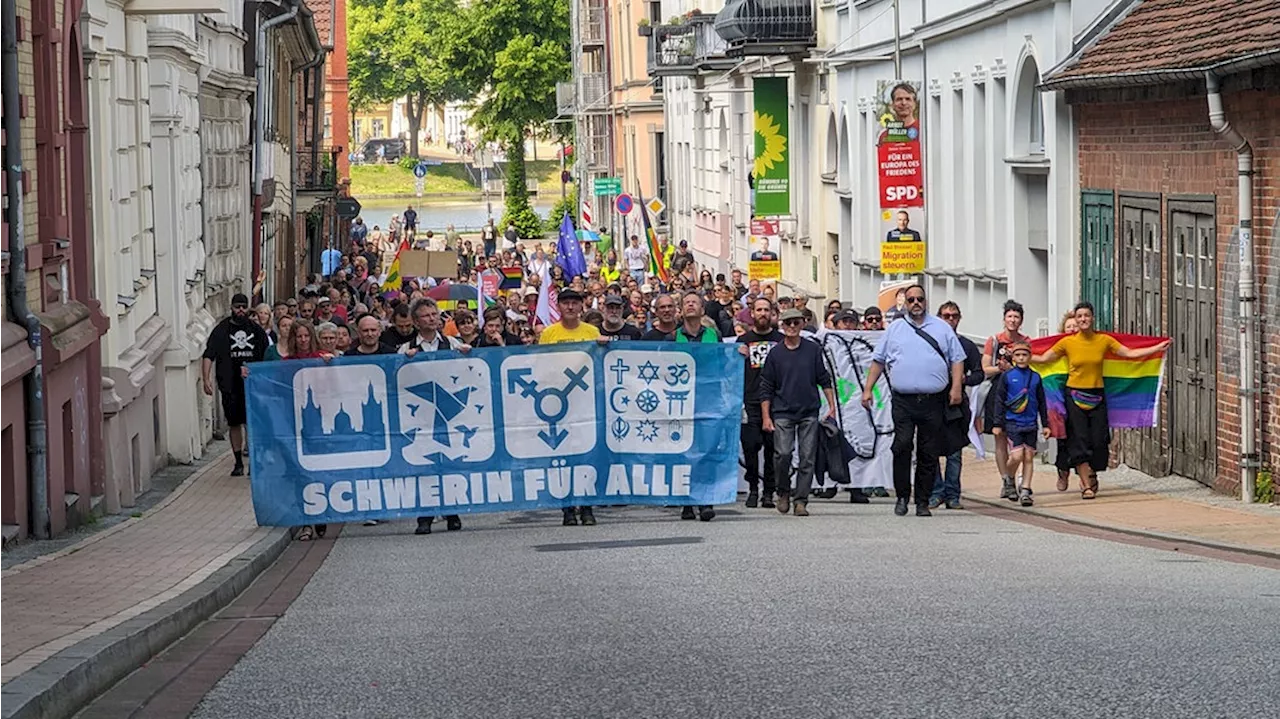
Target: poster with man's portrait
[{"x": 901, "y": 176}]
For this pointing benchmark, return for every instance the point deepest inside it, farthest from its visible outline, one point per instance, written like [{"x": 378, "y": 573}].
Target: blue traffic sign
[
  {"x": 420, "y": 170},
  {"x": 624, "y": 204}
]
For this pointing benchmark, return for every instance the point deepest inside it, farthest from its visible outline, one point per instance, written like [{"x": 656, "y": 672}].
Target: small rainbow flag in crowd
[
  {"x": 392, "y": 280},
  {"x": 512, "y": 278},
  {"x": 1131, "y": 386}
]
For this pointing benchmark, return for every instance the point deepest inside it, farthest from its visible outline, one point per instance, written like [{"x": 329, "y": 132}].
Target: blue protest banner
[{"x": 493, "y": 430}]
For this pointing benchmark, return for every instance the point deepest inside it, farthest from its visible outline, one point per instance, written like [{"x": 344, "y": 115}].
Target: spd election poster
[{"x": 901, "y": 175}]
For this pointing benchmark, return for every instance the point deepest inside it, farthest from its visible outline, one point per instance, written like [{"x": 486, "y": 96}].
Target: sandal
[
  {"x": 1090, "y": 491},
  {"x": 306, "y": 534}
]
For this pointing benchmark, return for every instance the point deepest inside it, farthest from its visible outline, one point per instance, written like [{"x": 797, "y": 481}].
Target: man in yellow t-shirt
[{"x": 571, "y": 328}]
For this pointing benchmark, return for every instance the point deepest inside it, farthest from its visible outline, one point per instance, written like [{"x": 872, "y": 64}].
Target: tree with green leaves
[
  {"x": 512, "y": 52},
  {"x": 402, "y": 48}
]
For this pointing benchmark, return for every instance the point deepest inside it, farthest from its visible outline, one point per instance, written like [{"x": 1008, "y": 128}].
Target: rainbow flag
[
  {"x": 512, "y": 278},
  {"x": 657, "y": 261},
  {"x": 1131, "y": 386},
  {"x": 392, "y": 280}
]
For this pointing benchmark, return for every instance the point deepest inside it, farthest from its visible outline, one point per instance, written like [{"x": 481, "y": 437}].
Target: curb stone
[
  {"x": 62, "y": 684},
  {"x": 1163, "y": 536}
]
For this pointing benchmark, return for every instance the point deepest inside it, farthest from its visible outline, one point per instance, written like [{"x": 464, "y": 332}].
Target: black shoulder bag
[{"x": 955, "y": 428}]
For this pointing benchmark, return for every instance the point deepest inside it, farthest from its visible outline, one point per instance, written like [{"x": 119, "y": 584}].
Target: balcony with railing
[
  {"x": 688, "y": 48},
  {"x": 594, "y": 94},
  {"x": 767, "y": 27},
  {"x": 318, "y": 169},
  {"x": 591, "y": 23}
]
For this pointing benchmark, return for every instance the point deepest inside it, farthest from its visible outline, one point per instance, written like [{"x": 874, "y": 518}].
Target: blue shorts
[{"x": 1019, "y": 438}]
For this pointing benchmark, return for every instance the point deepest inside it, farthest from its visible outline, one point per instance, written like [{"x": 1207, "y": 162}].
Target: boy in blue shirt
[{"x": 1019, "y": 404}]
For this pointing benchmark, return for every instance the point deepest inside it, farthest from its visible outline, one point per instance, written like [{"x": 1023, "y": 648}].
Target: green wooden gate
[{"x": 1097, "y": 255}]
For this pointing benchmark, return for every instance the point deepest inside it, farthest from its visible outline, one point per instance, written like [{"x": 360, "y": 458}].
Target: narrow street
[{"x": 850, "y": 612}]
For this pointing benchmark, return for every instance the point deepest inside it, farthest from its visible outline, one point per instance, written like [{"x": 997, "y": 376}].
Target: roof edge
[
  {"x": 1265, "y": 58},
  {"x": 1098, "y": 29}
]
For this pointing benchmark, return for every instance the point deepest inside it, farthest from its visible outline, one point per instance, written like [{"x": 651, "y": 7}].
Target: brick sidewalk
[
  {"x": 1130, "y": 509},
  {"x": 57, "y": 600}
]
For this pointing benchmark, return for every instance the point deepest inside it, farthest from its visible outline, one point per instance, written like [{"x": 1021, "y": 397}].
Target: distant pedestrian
[
  {"x": 489, "y": 238},
  {"x": 789, "y": 406},
  {"x": 996, "y": 359},
  {"x": 636, "y": 258},
  {"x": 925, "y": 363}
]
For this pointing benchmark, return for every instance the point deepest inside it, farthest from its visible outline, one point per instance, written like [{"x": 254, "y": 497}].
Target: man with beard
[
  {"x": 664, "y": 327},
  {"x": 614, "y": 327},
  {"x": 234, "y": 342},
  {"x": 756, "y": 343},
  {"x": 925, "y": 363},
  {"x": 401, "y": 329}
]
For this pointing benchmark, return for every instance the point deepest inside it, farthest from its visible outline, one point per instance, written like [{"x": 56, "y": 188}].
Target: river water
[{"x": 466, "y": 215}]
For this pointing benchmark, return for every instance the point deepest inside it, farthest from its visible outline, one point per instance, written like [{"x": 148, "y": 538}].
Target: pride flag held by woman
[{"x": 1131, "y": 386}]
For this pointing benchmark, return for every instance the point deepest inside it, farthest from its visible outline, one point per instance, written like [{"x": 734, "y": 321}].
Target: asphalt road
[{"x": 851, "y": 612}]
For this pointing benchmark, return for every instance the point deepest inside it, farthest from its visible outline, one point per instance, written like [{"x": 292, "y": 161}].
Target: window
[
  {"x": 1029, "y": 113},
  {"x": 379, "y": 127},
  {"x": 328, "y": 129}
]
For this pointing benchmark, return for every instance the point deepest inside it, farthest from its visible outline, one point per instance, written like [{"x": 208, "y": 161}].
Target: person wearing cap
[
  {"x": 1019, "y": 410},
  {"x": 845, "y": 320},
  {"x": 571, "y": 328},
  {"x": 873, "y": 318},
  {"x": 925, "y": 364},
  {"x": 789, "y": 406},
  {"x": 681, "y": 259},
  {"x": 233, "y": 343},
  {"x": 614, "y": 327}
]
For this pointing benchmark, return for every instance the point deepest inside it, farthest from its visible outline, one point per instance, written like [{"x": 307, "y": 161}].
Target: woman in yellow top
[{"x": 1088, "y": 434}]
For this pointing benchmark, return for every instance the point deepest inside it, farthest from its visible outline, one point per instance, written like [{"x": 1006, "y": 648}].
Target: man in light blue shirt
[
  {"x": 926, "y": 376},
  {"x": 330, "y": 261}
]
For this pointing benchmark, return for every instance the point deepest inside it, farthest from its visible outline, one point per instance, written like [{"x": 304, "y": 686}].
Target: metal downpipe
[
  {"x": 1247, "y": 294},
  {"x": 16, "y": 282}
]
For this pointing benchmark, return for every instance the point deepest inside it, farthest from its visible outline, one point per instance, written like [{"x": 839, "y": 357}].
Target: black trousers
[
  {"x": 917, "y": 421},
  {"x": 753, "y": 440}
]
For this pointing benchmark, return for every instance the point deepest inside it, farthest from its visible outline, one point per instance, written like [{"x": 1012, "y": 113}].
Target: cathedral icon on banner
[
  {"x": 342, "y": 417},
  {"x": 371, "y": 437}
]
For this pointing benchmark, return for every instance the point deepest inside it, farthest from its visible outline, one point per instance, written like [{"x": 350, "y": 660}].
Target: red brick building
[
  {"x": 1161, "y": 243},
  {"x": 52, "y": 198},
  {"x": 331, "y": 24}
]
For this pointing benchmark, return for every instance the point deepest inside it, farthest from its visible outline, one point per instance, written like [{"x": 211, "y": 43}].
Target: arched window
[
  {"x": 832, "y": 160},
  {"x": 844, "y": 173},
  {"x": 1028, "y": 112}
]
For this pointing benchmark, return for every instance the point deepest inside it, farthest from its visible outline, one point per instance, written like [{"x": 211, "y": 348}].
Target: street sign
[
  {"x": 420, "y": 170},
  {"x": 656, "y": 206},
  {"x": 348, "y": 208},
  {"x": 624, "y": 203},
  {"x": 608, "y": 186}
]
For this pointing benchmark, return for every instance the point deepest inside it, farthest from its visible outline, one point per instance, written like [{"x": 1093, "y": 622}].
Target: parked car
[{"x": 393, "y": 148}]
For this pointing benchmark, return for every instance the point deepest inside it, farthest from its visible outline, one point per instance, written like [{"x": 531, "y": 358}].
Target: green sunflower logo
[{"x": 771, "y": 144}]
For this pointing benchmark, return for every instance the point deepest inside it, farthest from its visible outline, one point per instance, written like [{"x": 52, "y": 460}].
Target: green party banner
[{"x": 773, "y": 148}]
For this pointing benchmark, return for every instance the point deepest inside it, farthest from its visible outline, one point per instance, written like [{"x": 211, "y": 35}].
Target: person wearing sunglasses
[
  {"x": 925, "y": 363},
  {"x": 873, "y": 319},
  {"x": 789, "y": 405}
]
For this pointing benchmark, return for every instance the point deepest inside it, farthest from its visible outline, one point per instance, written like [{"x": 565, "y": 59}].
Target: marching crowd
[{"x": 358, "y": 304}]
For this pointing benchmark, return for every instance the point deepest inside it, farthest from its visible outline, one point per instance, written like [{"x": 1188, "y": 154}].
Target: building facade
[
  {"x": 1159, "y": 191},
  {"x": 52, "y": 279}
]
